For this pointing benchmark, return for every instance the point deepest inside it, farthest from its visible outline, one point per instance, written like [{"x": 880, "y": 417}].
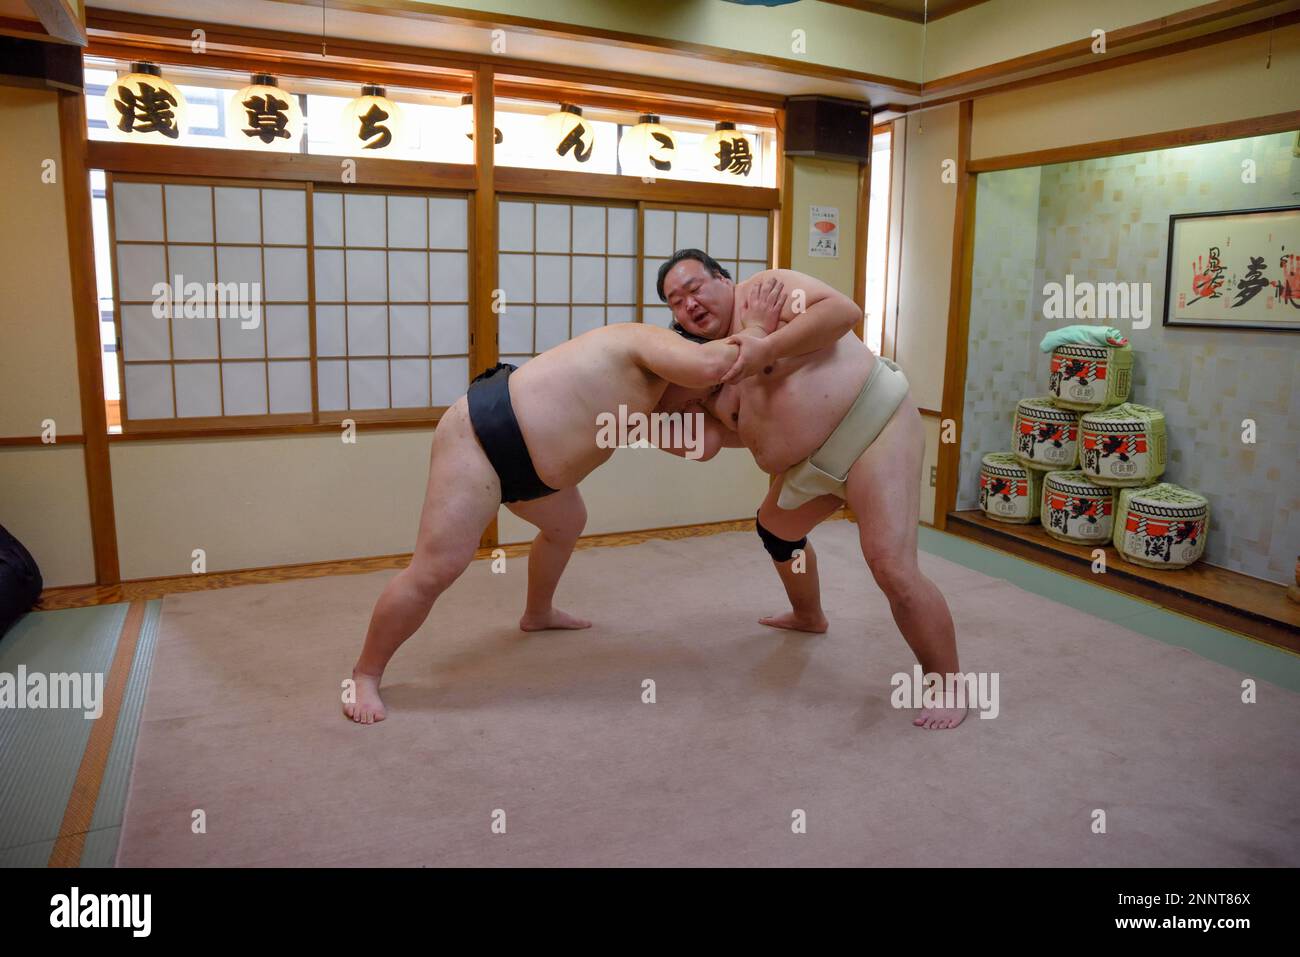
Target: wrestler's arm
[
  {"x": 676, "y": 360},
  {"x": 815, "y": 315}
]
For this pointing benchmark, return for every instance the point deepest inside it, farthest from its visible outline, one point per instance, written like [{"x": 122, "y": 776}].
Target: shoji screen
[
  {"x": 740, "y": 242},
  {"x": 392, "y": 299},
  {"x": 564, "y": 268},
  {"x": 184, "y": 354}
]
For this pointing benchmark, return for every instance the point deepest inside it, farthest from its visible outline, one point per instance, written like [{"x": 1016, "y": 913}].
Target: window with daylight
[
  {"x": 564, "y": 268},
  {"x": 280, "y": 304},
  {"x": 741, "y": 243}
]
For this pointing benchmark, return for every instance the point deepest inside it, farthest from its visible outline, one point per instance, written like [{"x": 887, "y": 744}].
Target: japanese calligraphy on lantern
[
  {"x": 824, "y": 232},
  {"x": 1234, "y": 269}
]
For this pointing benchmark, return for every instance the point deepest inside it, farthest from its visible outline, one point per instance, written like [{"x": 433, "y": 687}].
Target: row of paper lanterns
[{"x": 144, "y": 107}]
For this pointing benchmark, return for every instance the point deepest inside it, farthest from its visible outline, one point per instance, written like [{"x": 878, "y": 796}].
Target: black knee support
[{"x": 780, "y": 550}]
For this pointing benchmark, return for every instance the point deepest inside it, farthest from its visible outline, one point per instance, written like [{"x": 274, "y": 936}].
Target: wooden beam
[
  {"x": 484, "y": 346},
  {"x": 551, "y": 182},
  {"x": 954, "y": 366},
  {"x": 61, "y": 22},
  {"x": 85, "y": 314},
  {"x": 1215, "y": 132},
  {"x": 860, "y": 243},
  {"x": 152, "y": 160}
]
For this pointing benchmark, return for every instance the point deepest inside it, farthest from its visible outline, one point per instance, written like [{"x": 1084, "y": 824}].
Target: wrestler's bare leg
[
  {"x": 560, "y": 519},
  {"x": 884, "y": 491},
  {"x": 461, "y": 499},
  {"x": 802, "y": 587}
]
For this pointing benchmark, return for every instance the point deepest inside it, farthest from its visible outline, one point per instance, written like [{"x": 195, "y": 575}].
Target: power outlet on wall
[{"x": 934, "y": 475}]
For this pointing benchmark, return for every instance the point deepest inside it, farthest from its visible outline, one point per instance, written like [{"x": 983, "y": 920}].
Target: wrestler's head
[{"x": 699, "y": 292}]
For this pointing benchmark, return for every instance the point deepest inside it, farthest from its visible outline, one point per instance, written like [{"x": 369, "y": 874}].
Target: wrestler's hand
[
  {"x": 763, "y": 304},
  {"x": 755, "y": 357}
]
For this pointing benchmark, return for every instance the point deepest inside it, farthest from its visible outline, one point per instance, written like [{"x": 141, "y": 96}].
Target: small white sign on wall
[{"x": 824, "y": 232}]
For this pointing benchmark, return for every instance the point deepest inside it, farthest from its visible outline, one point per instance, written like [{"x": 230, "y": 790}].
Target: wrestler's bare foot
[
  {"x": 939, "y": 719},
  {"x": 815, "y": 624},
  {"x": 554, "y": 618},
  {"x": 369, "y": 707}
]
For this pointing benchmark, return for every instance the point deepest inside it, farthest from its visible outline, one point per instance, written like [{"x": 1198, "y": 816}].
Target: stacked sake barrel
[{"x": 1086, "y": 463}]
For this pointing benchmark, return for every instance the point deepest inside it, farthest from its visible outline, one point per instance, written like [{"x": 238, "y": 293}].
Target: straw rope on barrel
[
  {"x": 1045, "y": 437},
  {"x": 1075, "y": 509},
  {"x": 1087, "y": 377},
  {"x": 1123, "y": 446},
  {"x": 1009, "y": 492},
  {"x": 1163, "y": 526}
]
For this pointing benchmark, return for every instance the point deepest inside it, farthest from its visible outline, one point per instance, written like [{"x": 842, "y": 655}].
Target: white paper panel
[
  {"x": 327, "y": 219},
  {"x": 408, "y": 330},
  {"x": 368, "y": 383},
  {"x": 621, "y": 284},
  {"x": 692, "y": 231},
  {"x": 193, "y": 264},
  {"x": 586, "y": 318},
  {"x": 515, "y": 225},
  {"x": 449, "y": 330},
  {"x": 588, "y": 229},
  {"x": 650, "y": 274},
  {"x": 588, "y": 278},
  {"x": 552, "y": 278},
  {"x": 448, "y": 223},
  {"x": 367, "y": 275},
  {"x": 238, "y": 342},
  {"x": 149, "y": 392},
  {"x": 244, "y": 386},
  {"x": 408, "y": 222},
  {"x": 138, "y": 269},
  {"x": 290, "y": 386},
  {"x": 620, "y": 314},
  {"x": 448, "y": 277},
  {"x": 722, "y": 235},
  {"x": 552, "y": 228},
  {"x": 410, "y": 378},
  {"x": 284, "y": 217},
  {"x": 516, "y": 329},
  {"x": 286, "y": 274},
  {"x": 194, "y": 338},
  {"x": 332, "y": 384},
  {"x": 658, "y": 316},
  {"x": 659, "y": 232},
  {"x": 331, "y": 331},
  {"x": 515, "y": 274},
  {"x": 189, "y": 214},
  {"x": 137, "y": 212},
  {"x": 552, "y": 326},
  {"x": 367, "y": 330},
  {"x": 143, "y": 335},
  {"x": 198, "y": 389},
  {"x": 450, "y": 379},
  {"x": 622, "y": 231},
  {"x": 364, "y": 220},
  {"x": 408, "y": 277},
  {"x": 748, "y": 269},
  {"x": 287, "y": 332},
  {"x": 239, "y": 214},
  {"x": 329, "y": 275},
  {"x": 243, "y": 265},
  {"x": 753, "y": 237}
]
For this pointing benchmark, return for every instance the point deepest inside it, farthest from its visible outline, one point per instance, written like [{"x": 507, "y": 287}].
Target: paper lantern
[
  {"x": 646, "y": 149},
  {"x": 142, "y": 107},
  {"x": 1123, "y": 446},
  {"x": 1009, "y": 492},
  {"x": 262, "y": 116},
  {"x": 1163, "y": 526},
  {"x": 1090, "y": 377},
  {"x": 1044, "y": 436},
  {"x": 465, "y": 119},
  {"x": 373, "y": 125},
  {"x": 567, "y": 139},
  {"x": 727, "y": 152},
  {"x": 1076, "y": 510}
]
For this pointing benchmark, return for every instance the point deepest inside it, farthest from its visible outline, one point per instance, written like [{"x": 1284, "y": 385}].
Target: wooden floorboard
[{"x": 1218, "y": 596}]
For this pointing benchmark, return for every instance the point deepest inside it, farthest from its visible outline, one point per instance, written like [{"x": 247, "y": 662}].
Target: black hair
[{"x": 700, "y": 256}]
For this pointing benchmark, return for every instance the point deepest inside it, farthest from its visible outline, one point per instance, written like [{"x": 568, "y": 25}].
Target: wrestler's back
[{"x": 558, "y": 395}]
